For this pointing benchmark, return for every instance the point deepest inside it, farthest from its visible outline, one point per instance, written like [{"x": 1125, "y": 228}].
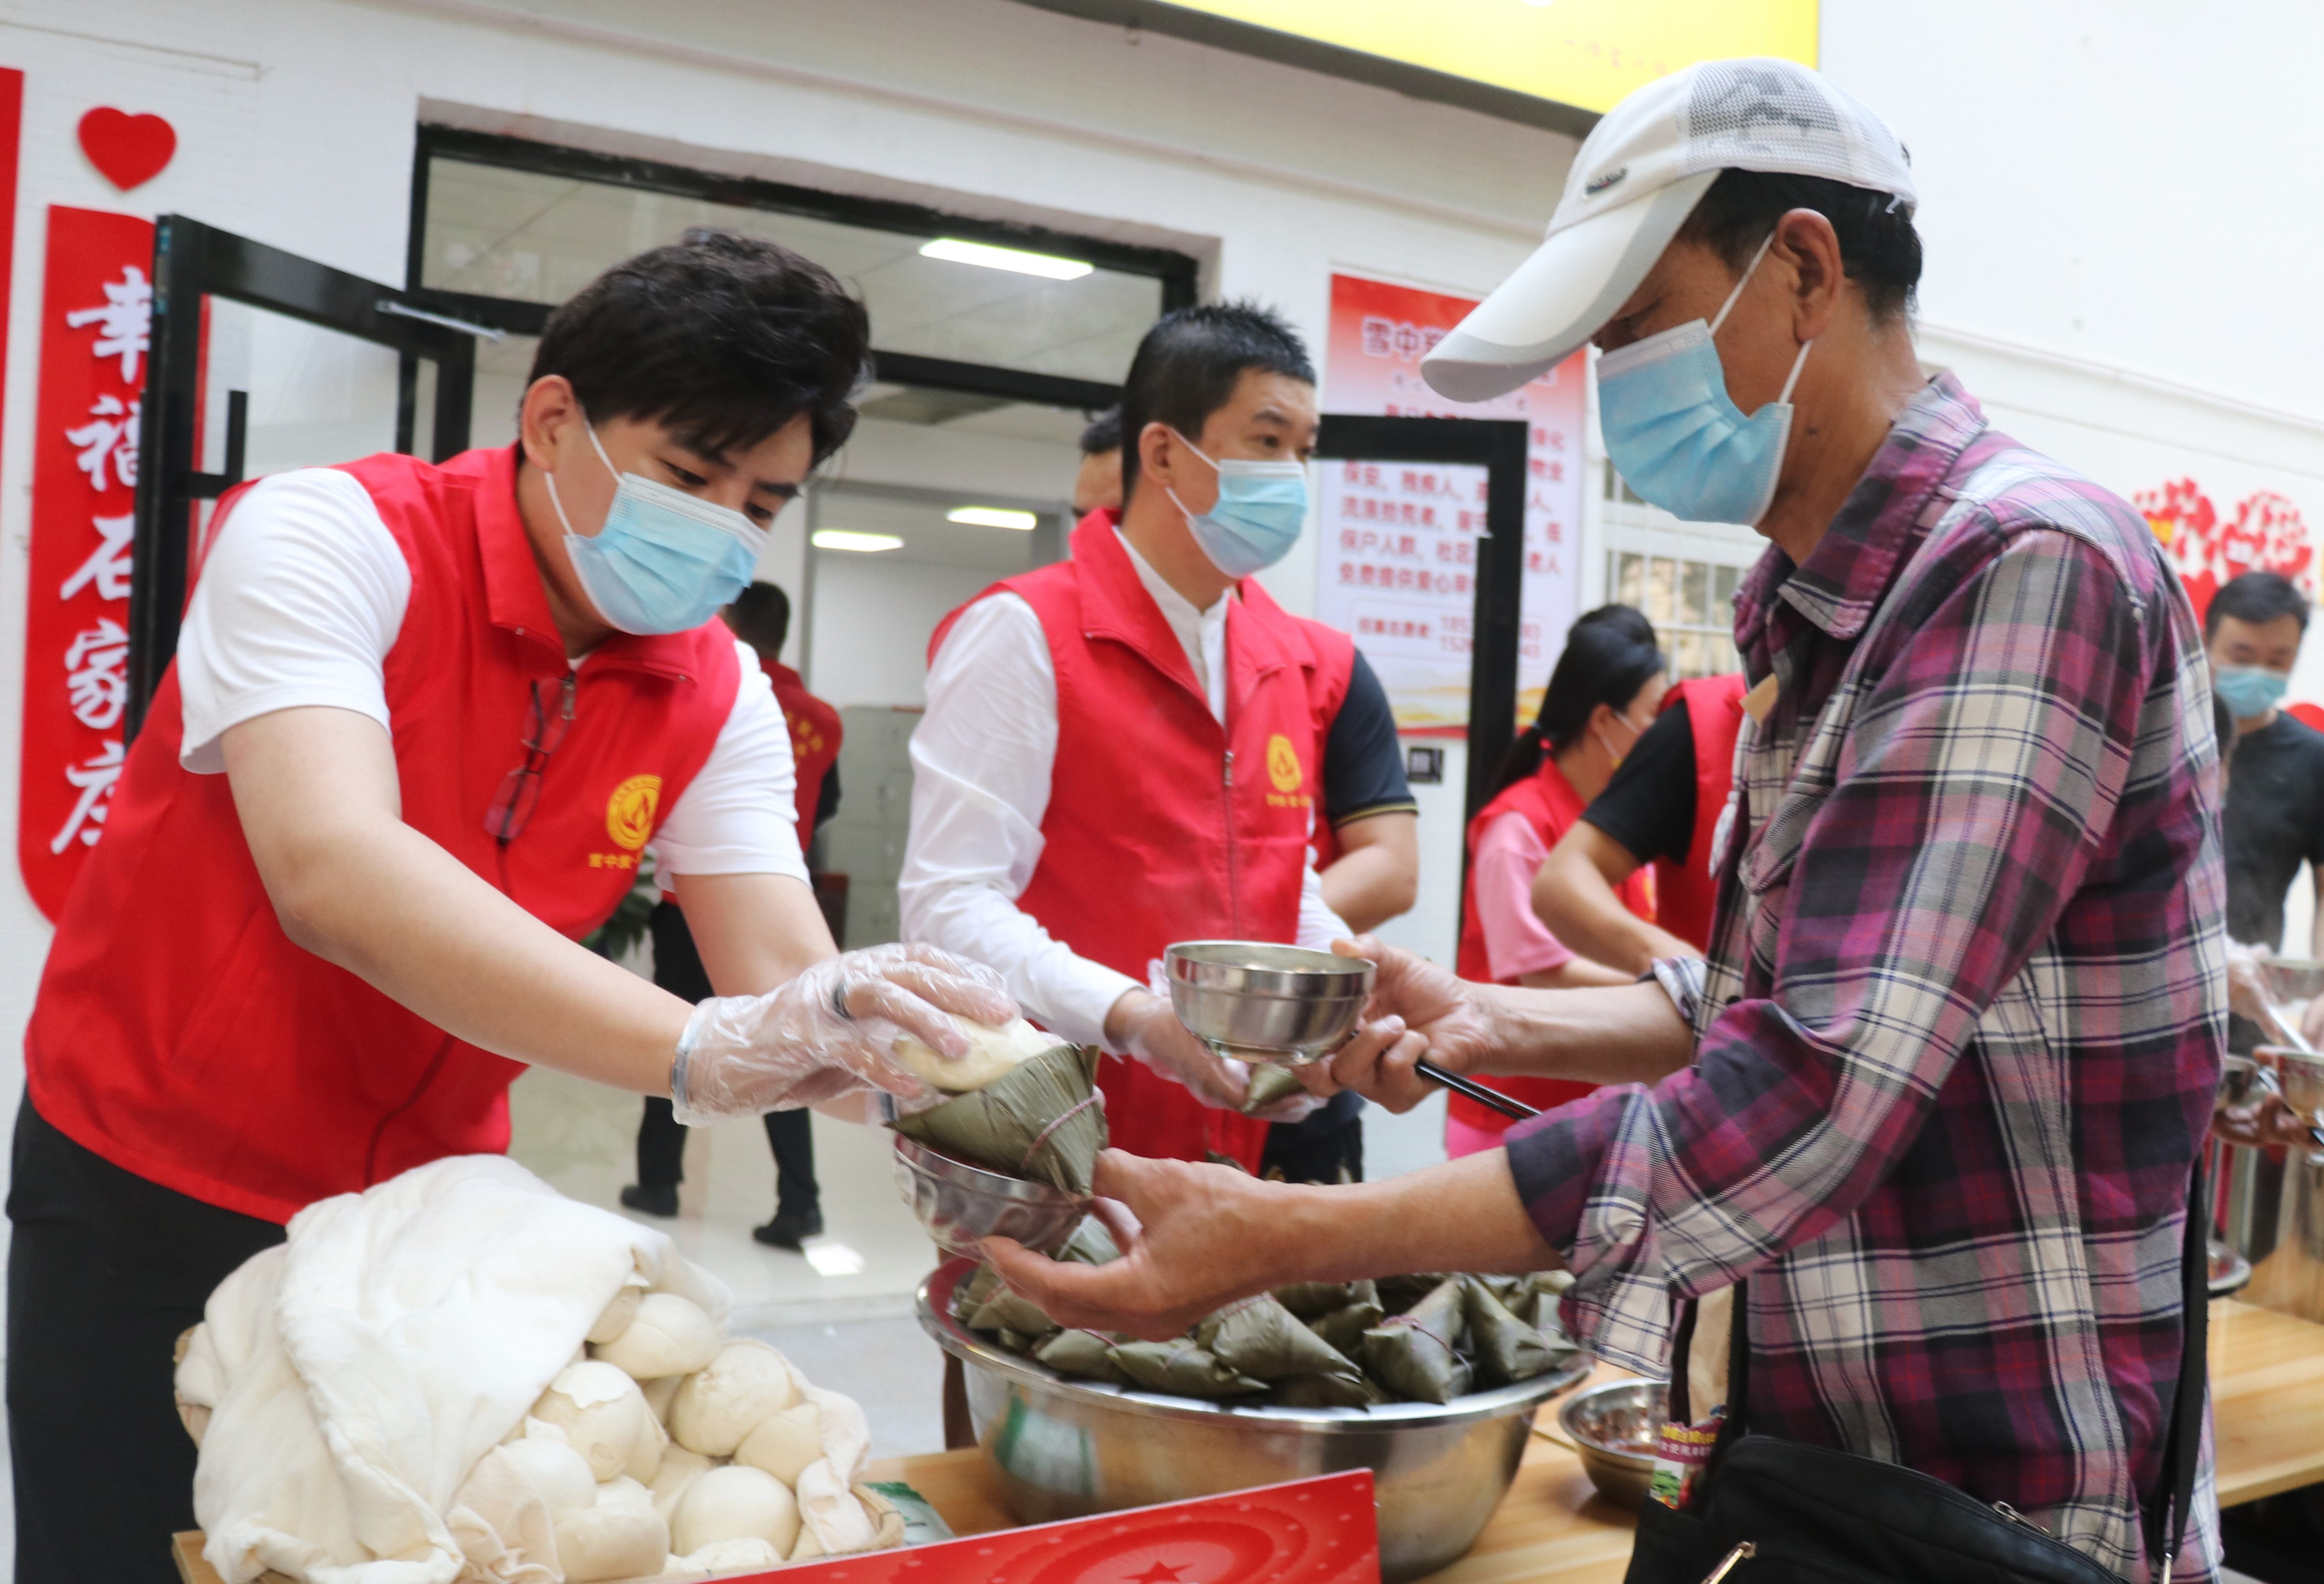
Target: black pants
[
  {"x": 105, "y": 1270},
  {"x": 1326, "y": 1147},
  {"x": 661, "y": 1141}
]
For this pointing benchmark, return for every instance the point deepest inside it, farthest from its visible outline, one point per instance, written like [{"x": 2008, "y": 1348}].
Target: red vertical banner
[{"x": 97, "y": 317}]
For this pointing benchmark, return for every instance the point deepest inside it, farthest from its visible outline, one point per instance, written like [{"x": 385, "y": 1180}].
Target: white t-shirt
[
  {"x": 980, "y": 772},
  {"x": 300, "y": 602}
]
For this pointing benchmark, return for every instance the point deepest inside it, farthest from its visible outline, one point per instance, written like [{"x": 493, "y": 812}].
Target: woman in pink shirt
[{"x": 1600, "y": 701}]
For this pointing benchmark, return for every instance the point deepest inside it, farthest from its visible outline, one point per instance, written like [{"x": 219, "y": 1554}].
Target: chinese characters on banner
[
  {"x": 95, "y": 331},
  {"x": 1399, "y": 543}
]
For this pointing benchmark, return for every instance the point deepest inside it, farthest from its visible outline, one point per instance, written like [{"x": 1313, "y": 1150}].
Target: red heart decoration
[{"x": 130, "y": 149}]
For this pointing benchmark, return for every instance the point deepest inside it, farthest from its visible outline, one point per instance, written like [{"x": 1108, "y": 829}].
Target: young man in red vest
[
  {"x": 761, "y": 615},
  {"x": 1121, "y": 750},
  {"x": 1663, "y": 807},
  {"x": 452, "y": 706}
]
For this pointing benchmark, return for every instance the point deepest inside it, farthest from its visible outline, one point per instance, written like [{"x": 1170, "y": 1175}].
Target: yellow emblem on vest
[
  {"x": 1283, "y": 764},
  {"x": 630, "y": 812}
]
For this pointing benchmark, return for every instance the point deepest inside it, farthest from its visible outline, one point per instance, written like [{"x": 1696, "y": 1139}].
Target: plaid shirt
[{"x": 1963, "y": 1014}]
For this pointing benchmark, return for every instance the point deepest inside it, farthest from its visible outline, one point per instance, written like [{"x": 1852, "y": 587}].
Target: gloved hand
[
  {"x": 2247, "y": 990},
  {"x": 830, "y": 1031},
  {"x": 1148, "y": 1032}
]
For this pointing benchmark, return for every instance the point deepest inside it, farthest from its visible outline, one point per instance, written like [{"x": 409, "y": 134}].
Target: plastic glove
[
  {"x": 2247, "y": 990},
  {"x": 829, "y": 1031},
  {"x": 1152, "y": 1035}
]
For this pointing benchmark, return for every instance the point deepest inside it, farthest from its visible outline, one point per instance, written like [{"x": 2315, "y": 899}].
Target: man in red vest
[
  {"x": 761, "y": 615},
  {"x": 1663, "y": 807},
  {"x": 422, "y": 723},
  {"x": 1121, "y": 750}
]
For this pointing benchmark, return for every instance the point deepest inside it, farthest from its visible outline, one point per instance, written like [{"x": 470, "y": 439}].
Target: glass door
[{"x": 263, "y": 361}]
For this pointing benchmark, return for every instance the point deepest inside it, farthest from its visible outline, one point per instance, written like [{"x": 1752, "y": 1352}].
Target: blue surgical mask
[
  {"x": 1256, "y": 518},
  {"x": 1677, "y": 438},
  {"x": 664, "y": 560},
  {"x": 2250, "y": 691}
]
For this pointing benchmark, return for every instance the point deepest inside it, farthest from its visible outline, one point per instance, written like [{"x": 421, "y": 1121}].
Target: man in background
[
  {"x": 1098, "y": 485},
  {"x": 2275, "y": 797},
  {"x": 761, "y": 615}
]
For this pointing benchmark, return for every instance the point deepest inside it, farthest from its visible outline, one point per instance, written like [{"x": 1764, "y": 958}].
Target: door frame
[
  {"x": 193, "y": 261},
  {"x": 1498, "y": 445}
]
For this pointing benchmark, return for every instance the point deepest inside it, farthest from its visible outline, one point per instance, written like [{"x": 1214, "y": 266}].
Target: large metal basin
[{"x": 1066, "y": 1449}]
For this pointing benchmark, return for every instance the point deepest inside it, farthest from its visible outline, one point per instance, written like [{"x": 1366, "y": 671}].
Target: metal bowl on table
[
  {"x": 1066, "y": 1449},
  {"x": 1258, "y": 1001},
  {"x": 960, "y": 1204},
  {"x": 1615, "y": 1428}
]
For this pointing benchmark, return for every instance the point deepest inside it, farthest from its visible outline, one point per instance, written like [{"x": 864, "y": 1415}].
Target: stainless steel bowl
[
  {"x": 1066, "y": 1449},
  {"x": 1257, "y": 1002},
  {"x": 959, "y": 1203},
  {"x": 1607, "y": 1423}
]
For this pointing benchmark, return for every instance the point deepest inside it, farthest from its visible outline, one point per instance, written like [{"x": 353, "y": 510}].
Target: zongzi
[
  {"x": 1415, "y": 1355},
  {"x": 1506, "y": 1349},
  {"x": 1092, "y": 1244},
  {"x": 1012, "y": 1312},
  {"x": 1345, "y": 1327},
  {"x": 1314, "y": 1300},
  {"x": 1399, "y": 1293},
  {"x": 969, "y": 1296},
  {"x": 1266, "y": 1341},
  {"x": 1181, "y": 1369},
  {"x": 1042, "y": 1121},
  {"x": 1327, "y": 1391},
  {"x": 1083, "y": 1355},
  {"x": 1269, "y": 1081},
  {"x": 993, "y": 1053}
]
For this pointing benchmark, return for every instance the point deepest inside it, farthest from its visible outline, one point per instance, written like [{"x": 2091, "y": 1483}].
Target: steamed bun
[
  {"x": 601, "y": 1412},
  {"x": 735, "y": 1502},
  {"x": 558, "y": 1472},
  {"x": 715, "y": 1408},
  {"x": 617, "y": 1316},
  {"x": 993, "y": 1053},
  {"x": 666, "y": 1335},
  {"x": 785, "y": 1443},
  {"x": 613, "y": 1538}
]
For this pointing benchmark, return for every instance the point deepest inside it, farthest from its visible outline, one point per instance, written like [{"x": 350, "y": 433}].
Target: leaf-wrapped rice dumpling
[
  {"x": 1505, "y": 1349},
  {"x": 1344, "y": 1329},
  {"x": 1314, "y": 1300},
  {"x": 1327, "y": 1391},
  {"x": 1091, "y": 1244},
  {"x": 1011, "y": 1311},
  {"x": 1399, "y": 1293},
  {"x": 1181, "y": 1369},
  {"x": 1266, "y": 1341},
  {"x": 1083, "y": 1355},
  {"x": 1042, "y": 1121},
  {"x": 1415, "y": 1354},
  {"x": 1016, "y": 1342},
  {"x": 970, "y": 1294},
  {"x": 1269, "y": 1081}
]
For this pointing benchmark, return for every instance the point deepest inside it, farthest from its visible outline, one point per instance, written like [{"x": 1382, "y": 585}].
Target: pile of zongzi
[{"x": 1313, "y": 1345}]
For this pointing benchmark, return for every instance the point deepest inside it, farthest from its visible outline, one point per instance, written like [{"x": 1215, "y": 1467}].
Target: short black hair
[
  {"x": 1879, "y": 247},
  {"x": 1102, "y": 433},
  {"x": 2255, "y": 597},
  {"x": 721, "y": 337},
  {"x": 1611, "y": 653},
  {"x": 1187, "y": 366},
  {"x": 761, "y": 616}
]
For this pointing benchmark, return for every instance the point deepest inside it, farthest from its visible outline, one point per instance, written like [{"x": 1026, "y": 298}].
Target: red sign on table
[
  {"x": 96, "y": 316},
  {"x": 1322, "y": 1531}
]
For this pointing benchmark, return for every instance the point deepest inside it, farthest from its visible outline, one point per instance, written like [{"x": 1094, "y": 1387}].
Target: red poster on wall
[{"x": 97, "y": 315}]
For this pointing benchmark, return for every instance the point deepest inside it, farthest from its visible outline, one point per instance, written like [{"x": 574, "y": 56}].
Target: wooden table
[{"x": 2267, "y": 1395}]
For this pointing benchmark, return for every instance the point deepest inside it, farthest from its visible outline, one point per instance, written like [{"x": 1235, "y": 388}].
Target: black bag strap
[{"x": 2182, "y": 1435}]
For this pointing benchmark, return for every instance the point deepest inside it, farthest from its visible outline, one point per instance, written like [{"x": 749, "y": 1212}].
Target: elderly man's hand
[
  {"x": 1418, "y": 1009},
  {"x": 1193, "y": 1237}
]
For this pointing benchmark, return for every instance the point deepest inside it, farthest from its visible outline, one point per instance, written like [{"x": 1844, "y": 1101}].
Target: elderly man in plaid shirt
[{"x": 1939, "y": 1088}]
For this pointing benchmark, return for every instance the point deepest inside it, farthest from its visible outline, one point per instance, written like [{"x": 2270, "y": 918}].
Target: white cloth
[
  {"x": 357, "y": 1374},
  {"x": 981, "y": 766},
  {"x": 302, "y": 597}
]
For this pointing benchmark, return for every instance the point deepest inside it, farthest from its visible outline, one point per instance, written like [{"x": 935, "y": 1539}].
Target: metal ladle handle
[{"x": 1491, "y": 1099}]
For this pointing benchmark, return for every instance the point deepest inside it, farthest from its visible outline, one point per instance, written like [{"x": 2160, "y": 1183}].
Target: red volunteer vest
[
  {"x": 182, "y": 1036},
  {"x": 1549, "y": 802},
  {"x": 814, "y": 739},
  {"x": 1687, "y": 894},
  {"x": 1161, "y": 827}
]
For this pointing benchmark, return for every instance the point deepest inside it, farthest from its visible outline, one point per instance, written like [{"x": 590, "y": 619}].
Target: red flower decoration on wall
[{"x": 2266, "y": 534}]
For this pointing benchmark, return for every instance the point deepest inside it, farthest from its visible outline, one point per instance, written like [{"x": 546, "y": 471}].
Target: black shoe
[
  {"x": 789, "y": 1231},
  {"x": 652, "y": 1200}
]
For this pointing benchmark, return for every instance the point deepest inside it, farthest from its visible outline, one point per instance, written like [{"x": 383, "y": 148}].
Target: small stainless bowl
[
  {"x": 1609, "y": 1424},
  {"x": 960, "y": 1204},
  {"x": 1258, "y": 1001}
]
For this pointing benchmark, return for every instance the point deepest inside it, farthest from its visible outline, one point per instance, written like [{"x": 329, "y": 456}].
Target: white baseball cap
[{"x": 1638, "y": 176}]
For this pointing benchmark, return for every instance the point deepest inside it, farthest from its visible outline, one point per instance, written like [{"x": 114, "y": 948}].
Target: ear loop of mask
[
  {"x": 548, "y": 477},
  {"x": 1727, "y": 307}
]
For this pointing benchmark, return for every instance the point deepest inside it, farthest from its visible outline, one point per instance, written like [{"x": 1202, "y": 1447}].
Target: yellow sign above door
[{"x": 1587, "y": 53}]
